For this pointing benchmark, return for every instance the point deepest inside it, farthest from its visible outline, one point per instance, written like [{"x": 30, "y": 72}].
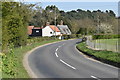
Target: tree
[
  {"x": 52, "y": 13},
  {"x": 15, "y": 18},
  {"x": 111, "y": 13},
  {"x": 79, "y": 10},
  {"x": 105, "y": 29}
]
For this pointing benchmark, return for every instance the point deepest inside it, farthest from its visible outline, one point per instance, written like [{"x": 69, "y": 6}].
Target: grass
[
  {"x": 107, "y": 41},
  {"x": 107, "y": 55},
  {"x": 107, "y": 44},
  {"x": 12, "y": 63}
]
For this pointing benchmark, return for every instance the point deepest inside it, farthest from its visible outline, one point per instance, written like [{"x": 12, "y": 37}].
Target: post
[
  {"x": 98, "y": 26},
  {"x": 55, "y": 22}
]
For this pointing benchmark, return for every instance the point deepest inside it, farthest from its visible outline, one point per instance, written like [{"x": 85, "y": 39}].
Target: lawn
[
  {"x": 12, "y": 63},
  {"x": 108, "y": 41},
  {"x": 107, "y": 44}
]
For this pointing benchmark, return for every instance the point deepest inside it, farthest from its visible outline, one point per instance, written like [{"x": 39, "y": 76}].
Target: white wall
[
  {"x": 47, "y": 32},
  {"x": 58, "y": 33}
]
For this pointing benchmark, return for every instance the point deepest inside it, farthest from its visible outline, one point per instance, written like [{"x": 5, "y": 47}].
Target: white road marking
[
  {"x": 95, "y": 77},
  {"x": 56, "y": 54},
  {"x": 67, "y": 64},
  {"x": 57, "y": 49}
]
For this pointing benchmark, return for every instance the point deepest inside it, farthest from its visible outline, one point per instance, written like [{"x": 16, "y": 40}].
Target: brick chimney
[
  {"x": 47, "y": 23},
  {"x": 61, "y": 22}
]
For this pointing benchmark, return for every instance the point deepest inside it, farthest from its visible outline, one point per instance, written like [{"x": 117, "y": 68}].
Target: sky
[
  {"x": 69, "y": 0},
  {"x": 68, "y": 5}
]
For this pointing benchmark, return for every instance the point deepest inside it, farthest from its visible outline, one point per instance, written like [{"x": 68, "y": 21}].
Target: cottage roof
[
  {"x": 30, "y": 29},
  {"x": 37, "y": 27},
  {"x": 54, "y": 28},
  {"x": 64, "y": 29}
]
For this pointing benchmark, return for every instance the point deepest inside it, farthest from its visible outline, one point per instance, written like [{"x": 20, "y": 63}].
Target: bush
[
  {"x": 9, "y": 65},
  {"x": 84, "y": 39},
  {"x": 73, "y": 35},
  {"x": 78, "y": 35}
]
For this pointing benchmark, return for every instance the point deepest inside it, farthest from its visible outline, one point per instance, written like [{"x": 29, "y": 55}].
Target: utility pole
[
  {"x": 55, "y": 22},
  {"x": 98, "y": 30}
]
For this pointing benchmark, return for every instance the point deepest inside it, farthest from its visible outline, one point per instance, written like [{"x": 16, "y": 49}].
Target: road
[{"x": 62, "y": 60}]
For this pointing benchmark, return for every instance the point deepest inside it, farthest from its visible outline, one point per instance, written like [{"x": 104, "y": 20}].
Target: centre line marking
[
  {"x": 57, "y": 49},
  {"x": 56, "y": 54},
  {"x": 67, "y": 64},
  {"x": 95, "y": 77}
]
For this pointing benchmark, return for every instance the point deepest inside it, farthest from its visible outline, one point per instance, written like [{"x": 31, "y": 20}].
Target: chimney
[
  {"x": 61, "y": 22},
  {"x": 47, "y": 23}
]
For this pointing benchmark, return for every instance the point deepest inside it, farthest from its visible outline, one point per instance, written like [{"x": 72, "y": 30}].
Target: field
[
  {"x": 108, "y": 41},
  {"x": 105, "y": 44}
]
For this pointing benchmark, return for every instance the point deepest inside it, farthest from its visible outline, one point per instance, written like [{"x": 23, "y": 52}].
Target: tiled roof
[
  {"x": 37, "y": 27},
  {"x": 64, "y": 29},
  {"x": 54, "y": 28},
  {"x": 30, "y": 29}
]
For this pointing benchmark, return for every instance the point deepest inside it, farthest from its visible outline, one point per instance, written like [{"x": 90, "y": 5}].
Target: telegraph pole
[
  {"x": 55, "y": 22},
  {"x": 98, "y": 33}
]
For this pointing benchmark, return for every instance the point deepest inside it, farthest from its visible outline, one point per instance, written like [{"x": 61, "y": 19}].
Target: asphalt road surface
[{"x": 62, "y": 60}]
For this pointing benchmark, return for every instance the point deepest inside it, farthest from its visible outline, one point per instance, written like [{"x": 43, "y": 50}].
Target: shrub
[
  {"x": 105, "y": 36},
  {"x": 9, "y": 65}
]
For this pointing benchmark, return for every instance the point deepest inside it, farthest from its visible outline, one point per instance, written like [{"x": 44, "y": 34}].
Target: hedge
[{"x": 105, "y": 36}]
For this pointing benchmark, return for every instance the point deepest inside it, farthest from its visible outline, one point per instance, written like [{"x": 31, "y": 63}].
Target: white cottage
[{"x": 50, "y": 30}]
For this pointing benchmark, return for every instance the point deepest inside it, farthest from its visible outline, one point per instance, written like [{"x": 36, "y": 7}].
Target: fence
[{"x": 97, "y": 45}]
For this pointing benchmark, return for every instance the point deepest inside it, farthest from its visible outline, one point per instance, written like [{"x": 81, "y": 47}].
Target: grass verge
[
  {"x": 109, "y": 57},
  {"x": 12, "y": 66}
]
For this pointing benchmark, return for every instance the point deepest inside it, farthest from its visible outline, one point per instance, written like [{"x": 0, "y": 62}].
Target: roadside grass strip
[{"x": 109, "y": 57}]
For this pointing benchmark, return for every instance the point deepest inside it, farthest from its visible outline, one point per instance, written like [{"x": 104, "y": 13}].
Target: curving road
[{"x": 62, "y": 60}]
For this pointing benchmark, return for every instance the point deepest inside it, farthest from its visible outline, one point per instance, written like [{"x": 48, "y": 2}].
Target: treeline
[
  {"x": 87, "y": 22},
  {"x": 79, "y": 21}
]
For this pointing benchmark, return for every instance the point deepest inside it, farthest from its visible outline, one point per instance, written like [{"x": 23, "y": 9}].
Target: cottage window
[
  {"x": 50, "y": 32},
  {"x": 37, "y": 31}
]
